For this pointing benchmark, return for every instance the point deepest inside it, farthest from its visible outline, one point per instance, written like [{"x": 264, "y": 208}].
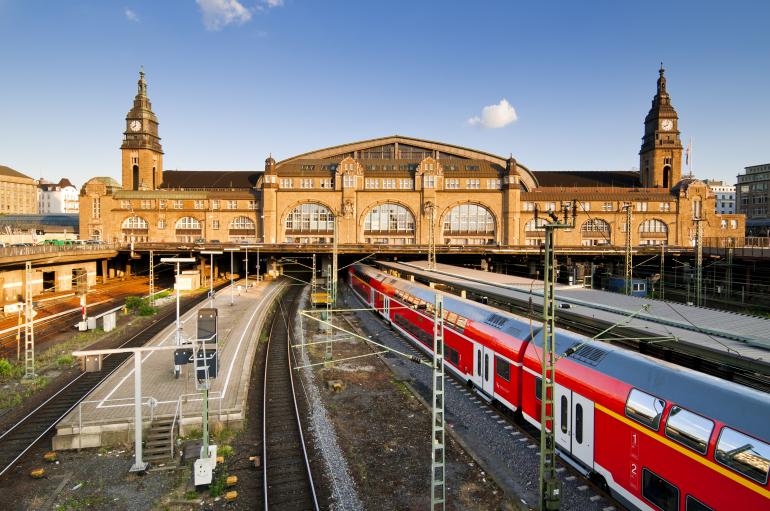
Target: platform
[
  {"x": 106, "y": 417},
  {"x": 733, "y": 334}
]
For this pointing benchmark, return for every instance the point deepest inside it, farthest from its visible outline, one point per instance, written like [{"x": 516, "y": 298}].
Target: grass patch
[
  {"x": 65, "y": 360},
  {"x": 225, "y": 450},
  {"x": 140, "y": 306},
  {"x": 191, "y": 495},
  {"x": 219, "y": 485},
  {"x": 9, "y": 370}
]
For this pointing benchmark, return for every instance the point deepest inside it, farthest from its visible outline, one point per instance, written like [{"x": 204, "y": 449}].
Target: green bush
[
  {"x": 225, "y": 450},
  {"x": 135, "y": 302},
  {"x": 65, "y": 360},
  {"x": 147, "y": 310},
  {"x": 6, "y": 368}
]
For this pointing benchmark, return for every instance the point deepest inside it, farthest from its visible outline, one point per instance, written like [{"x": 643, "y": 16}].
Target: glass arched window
[
  {"x": 188, "y": 229},
  {"x": 595, "y": 231},
  {"x": 653, "y": 232},
  {"x": 389, "y": 224},
  {"x": 242, "y": 230},
  {"x": 188, "y": 223},
  {"x": 310, "y": 223},
  {"x": 469, "y": 224},
  {"x": 134, "y": 223},
  {"x": 534, "y": 232}
]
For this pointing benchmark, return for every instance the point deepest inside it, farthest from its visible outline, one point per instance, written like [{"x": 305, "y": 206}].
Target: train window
[
  {"x": 644, "y": 408},
  {"x": 579, "y": 423},
  {"x": 503, "y": 368},
  {"x": 693, "y": 504},
  {"x": 478, "y": 362},
  {"x": 486, "y": 367},
  {"x": 659, "y": 491},
  {"x": 744, "y": 454},
  {"x": 538, "y": 388},
  {"x": 452, "y": 356},
  {"x": 689, "y": 429},
  {"x": 564, "y": 414}
]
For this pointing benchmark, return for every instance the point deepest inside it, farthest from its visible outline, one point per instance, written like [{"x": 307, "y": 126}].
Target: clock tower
[
  {"x": 142, "y": 154},
  {"x": 660, "y": 158}
]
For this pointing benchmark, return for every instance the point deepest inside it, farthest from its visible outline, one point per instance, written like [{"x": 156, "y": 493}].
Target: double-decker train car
[{"x": 659, "y": 436}]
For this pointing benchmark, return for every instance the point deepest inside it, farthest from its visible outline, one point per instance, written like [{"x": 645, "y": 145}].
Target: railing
[
  {"x": 54, "y": 249},
  {"x": 749, "y": 246},
  {"x": 176, "y": 422}
]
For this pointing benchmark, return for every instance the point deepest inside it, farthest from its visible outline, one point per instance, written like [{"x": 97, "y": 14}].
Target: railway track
[
  {"x": 25, "y": 433},
  {"x": 287, "y": 480}
]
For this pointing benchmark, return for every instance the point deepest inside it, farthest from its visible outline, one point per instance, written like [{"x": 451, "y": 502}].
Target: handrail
[{"x": 51, "y": 249}]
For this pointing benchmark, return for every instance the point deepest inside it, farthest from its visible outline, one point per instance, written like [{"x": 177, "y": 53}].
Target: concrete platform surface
[{"x": 106, "y": 417}]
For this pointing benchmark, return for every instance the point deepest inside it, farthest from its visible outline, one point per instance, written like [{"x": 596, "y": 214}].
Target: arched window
[
  {"x": 469, "y": 224},
  {"x": 134, "y": 223},
  {"x": 653, "y": 232},
  {"x": 96, "y": 235},
  {"x": 390, "y": 224},
  {"x": 243, "y": 230},
  {"x": 534, "y": 232},
  {"x": 188, "y": 229},
  {"x": 134, "y": 229},
  {"x": 310, "y": 223},
  {"x": 595, "y": 231},
  {"x": 188, "y": 223}
]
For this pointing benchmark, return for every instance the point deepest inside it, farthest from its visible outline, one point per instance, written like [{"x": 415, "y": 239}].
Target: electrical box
[
  {"x": 207, "y": 325},
  {"x": 91, "y": 363},
  {"x": 211, "y": 360},
  {"x": 183, "y": 356}
]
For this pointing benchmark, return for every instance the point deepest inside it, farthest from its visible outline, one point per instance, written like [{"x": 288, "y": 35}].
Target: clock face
[
  {"x": 135, "y": 125},
  {"x": 667, "y": 124}
]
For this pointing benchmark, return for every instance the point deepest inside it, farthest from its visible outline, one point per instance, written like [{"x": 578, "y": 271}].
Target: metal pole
[
  {"x": 139, "y": 464},
  {"x": 211, "y": 279},
  {"x": 29, "y": 326},
  {"x": 550, "y": 492},
  {"x": 328, "y": 353},
  {"x": 698, "y": 262},
  {"x": 231, "y": 278},
  {"x": 629, "y": 252},
  {"x": 662, "y": 270},
  {"x": 152, "y": 278},
  {"x": 178, "y": 336},
  {"x": 257, "y": 264},
  {"x": 432, "y": 240},
  {"x": 437, "y": 464},
  {"x": 246, "y": 264}
]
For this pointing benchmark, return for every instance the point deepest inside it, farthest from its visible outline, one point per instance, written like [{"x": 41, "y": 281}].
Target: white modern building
[
  {"x": 724, "y": 194},
  {"x": 61, "y": 197}
]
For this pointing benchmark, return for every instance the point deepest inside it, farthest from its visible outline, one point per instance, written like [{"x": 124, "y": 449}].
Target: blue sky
[{"x": 233, "y": 80}]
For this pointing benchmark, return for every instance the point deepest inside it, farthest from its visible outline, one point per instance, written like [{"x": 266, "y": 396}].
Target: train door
[
  {"x": 371, "y": 296},
  {"x": 563, "y": 417},
  {"x": 583, "y": 429},
  {"x": 575, "y": 424},
  {"x": 478, "y": 365},
  {"x": 385, "y": 306}
]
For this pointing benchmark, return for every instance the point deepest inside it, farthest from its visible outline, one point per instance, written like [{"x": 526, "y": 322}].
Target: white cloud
[
  {"x": 219, "y": 13},
  {"x": 495, "y": 116},
  {"x": 131, "y": 15},
  {"x": 273, "y": 3}
]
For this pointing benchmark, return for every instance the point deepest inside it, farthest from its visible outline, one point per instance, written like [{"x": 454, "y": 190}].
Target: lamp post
[
  {"x": 212, "y": 253},
  {"x": 246, "y": 247},
  {"x": 178, "y": 337},
  {"x": 231, "y": 250}
]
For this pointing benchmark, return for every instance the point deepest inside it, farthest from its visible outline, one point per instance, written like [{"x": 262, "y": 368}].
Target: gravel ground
[
  {"x": 344, "y": 495},
  {"x": 507, "y": 452}
]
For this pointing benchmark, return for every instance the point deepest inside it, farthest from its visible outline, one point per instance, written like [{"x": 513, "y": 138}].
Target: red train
[{"x": 660, "y": 436}]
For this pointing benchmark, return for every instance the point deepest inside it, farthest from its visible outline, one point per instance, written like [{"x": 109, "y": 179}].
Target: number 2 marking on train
[{"x": 634, "y": 479}]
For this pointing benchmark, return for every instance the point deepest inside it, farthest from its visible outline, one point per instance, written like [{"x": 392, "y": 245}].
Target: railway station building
[{"x": 393, "y": 190}]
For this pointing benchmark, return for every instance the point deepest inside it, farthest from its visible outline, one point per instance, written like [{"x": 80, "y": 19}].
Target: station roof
[
  {"x": 56, "y": 223},
  {"x": 206, "y": 179},
  {"x": 588, "y": 178}
]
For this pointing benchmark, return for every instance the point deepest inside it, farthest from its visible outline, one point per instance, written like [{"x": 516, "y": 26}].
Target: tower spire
[
  {"x": 142, "y": 84},
  {"x": 662, "y": 80}
]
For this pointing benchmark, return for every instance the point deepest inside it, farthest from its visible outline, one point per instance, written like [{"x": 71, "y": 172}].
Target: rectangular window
[
  {"x": 125, "y": 204},
  {"x": 327, "y": 183},
  {"x": 503, "y": 368},
  {"x": 215, "y": 204},
  {"x": 215, "y": 224},
  {"x": 178, "y": 204},
  {"x": 529, "y": 206},
  {"x": 161, "y": 224},
  {"x": 372, "y": 183},
  {"x": 252, "y": 204},
  {"x": 538, "y": 388},
  {"x": 744, "y": 454},
  {"x": 199, "y": 204},
  {"x": 146, "y": 204},
  {"x": 451, "y": 184},
  {"x": 584, "y": 206},
  {"x": 286, "y": 182},
  {"x": 348, "y": 181},
  {"x": 232, "y": 204},
  {"x": 493, "y": 184},
  {"x": 389, "y": 184},
  {"x": 689, "y": 429},
  {"x": 452, "y": 356},
  {"x": 162, "y": 203},
  {"x": 471, "y": 167},
  {"x": 644, "y": 408},
  {"x": 693, "y": 504},
  {"x": 733, "y": 224},
  {"x": 607, "y": 206},
  {"x": 473, "y": 184},
  {"x": 665, "y": 206},
  {"x": 306, "y": 183},
  {"x": 429, "y": 181},
  {"x": 640, "y": 206},
  {"x": 96, "y": 207},
  {"x": 406, "y": 184},
  {"x": 659, "y": 491}
]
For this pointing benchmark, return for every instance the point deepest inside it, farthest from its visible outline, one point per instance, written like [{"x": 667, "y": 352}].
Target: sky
[{"x": 560, "y": 85}]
